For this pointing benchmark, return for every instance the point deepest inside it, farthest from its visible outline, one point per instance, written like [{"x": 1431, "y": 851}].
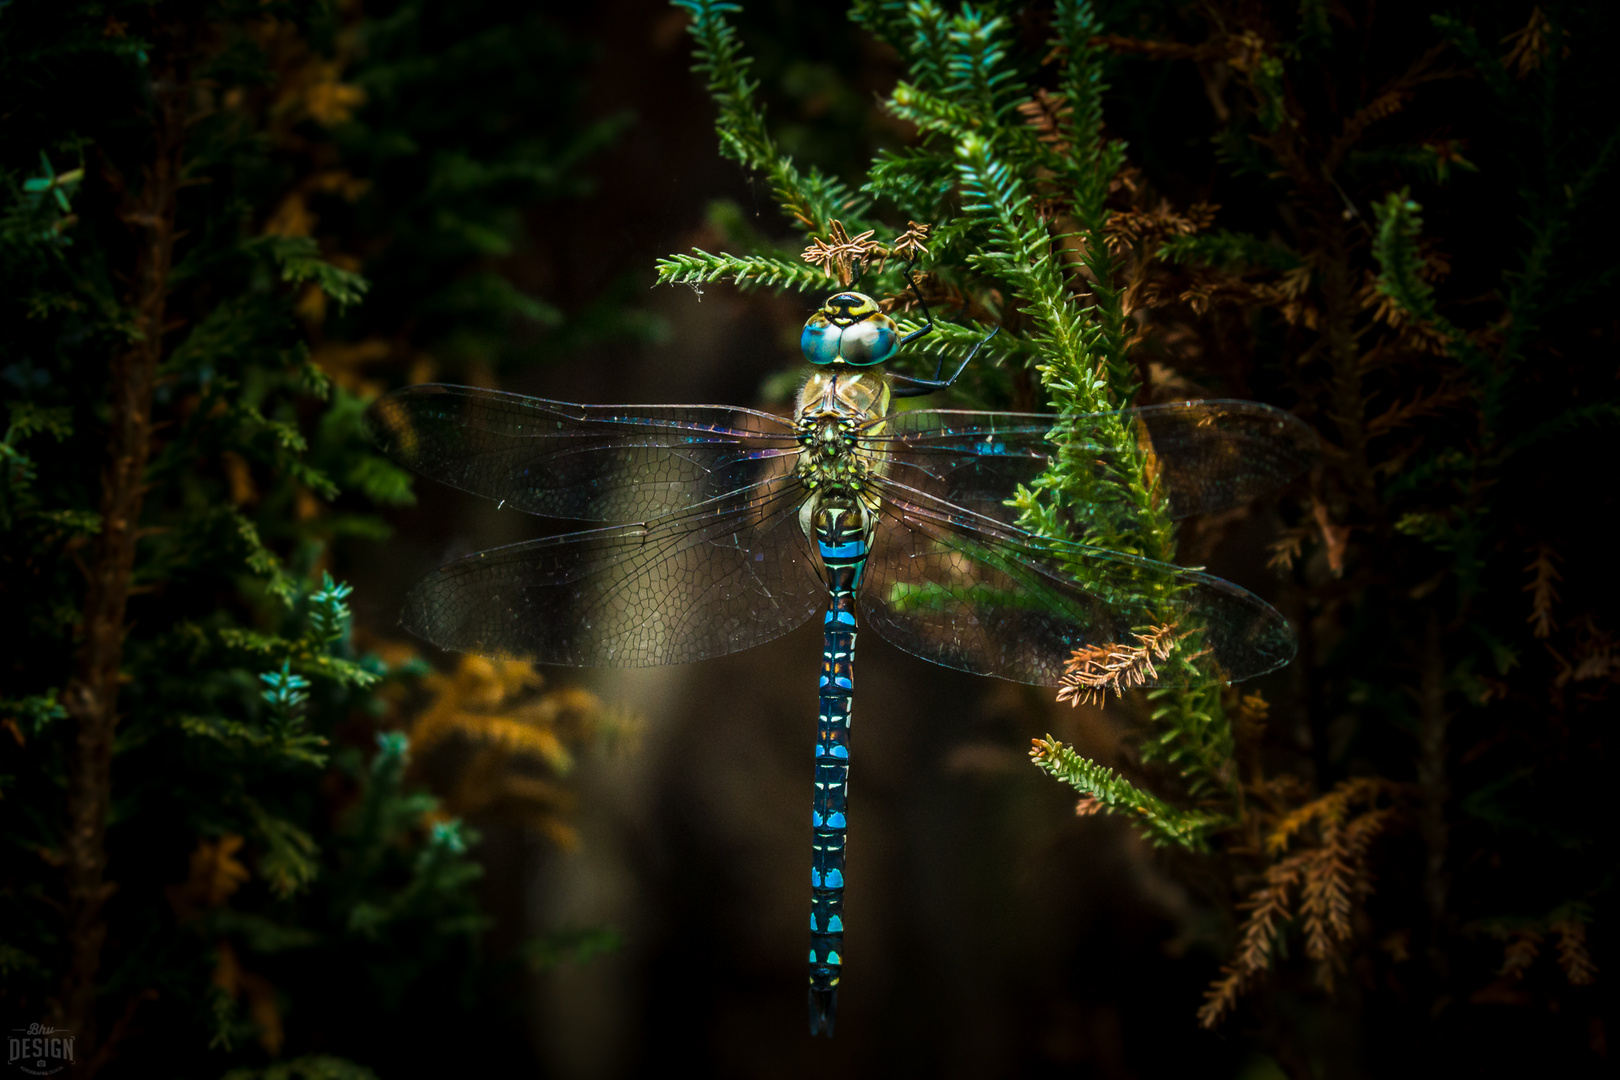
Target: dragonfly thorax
[
  {"x": 831, "y": 462},
  {"x": 835, "y": 409},
  {"x": 829, "y": 435},
  {"x": 841, "y": 391}
]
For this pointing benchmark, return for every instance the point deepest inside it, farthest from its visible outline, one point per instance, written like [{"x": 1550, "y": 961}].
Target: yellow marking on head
[{"x": 846, "y": 308}]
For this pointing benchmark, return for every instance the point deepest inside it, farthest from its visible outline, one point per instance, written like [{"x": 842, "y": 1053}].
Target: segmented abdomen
[{"x": 840, "y": 538}]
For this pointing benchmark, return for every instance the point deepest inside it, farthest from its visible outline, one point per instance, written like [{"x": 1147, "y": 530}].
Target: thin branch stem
[{"x": 91, "y": 696}]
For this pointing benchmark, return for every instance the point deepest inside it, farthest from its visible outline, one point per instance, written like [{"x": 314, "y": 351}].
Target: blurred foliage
[
  {"x": 222, "y": 226},
  {"x": 1396, "y": 227},
  {"x": 509, "y": 747}
]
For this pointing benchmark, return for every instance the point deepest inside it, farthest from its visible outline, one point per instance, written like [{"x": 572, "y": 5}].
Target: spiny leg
[
  {"x": 918, "y": 386},
  {"x": 928, "y": 316}
]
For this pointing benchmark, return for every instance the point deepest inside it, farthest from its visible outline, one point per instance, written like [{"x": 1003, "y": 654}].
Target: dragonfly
[{"x": 719, "y": 528}]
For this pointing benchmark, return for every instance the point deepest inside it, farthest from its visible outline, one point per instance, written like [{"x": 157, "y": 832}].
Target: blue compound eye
[
  {"x": 819, "y": 342},
  {"x": 870, "y": 341}
]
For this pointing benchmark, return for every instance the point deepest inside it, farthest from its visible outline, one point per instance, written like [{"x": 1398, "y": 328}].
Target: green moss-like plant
[{"x": 215, "y": 231}]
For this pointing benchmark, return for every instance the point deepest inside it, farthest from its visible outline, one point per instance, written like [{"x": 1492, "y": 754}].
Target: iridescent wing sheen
[
  {"x": 982, "y": 596},
  {"x": 1210, "y": 455},
  {"x": 588, "y": 462},
  {"x": 707, "y": 581}
]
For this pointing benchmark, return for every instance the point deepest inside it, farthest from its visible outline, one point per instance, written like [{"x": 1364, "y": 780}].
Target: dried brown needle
[{"x": 1093, "y": 671}]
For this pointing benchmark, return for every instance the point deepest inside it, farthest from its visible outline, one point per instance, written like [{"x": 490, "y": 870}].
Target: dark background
[{"x": 992, "y": 931}]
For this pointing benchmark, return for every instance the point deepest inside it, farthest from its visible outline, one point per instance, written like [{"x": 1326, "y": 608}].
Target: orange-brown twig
[
  {"x": 1093, "y": 671},
  {"x": 839, "y": 257},
  {"x": 839, "y": 254},
  {"x": 1317, "y": 883}
]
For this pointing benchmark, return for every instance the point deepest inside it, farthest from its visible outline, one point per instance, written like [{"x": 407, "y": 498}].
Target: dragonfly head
[{"x": 850, "y": 328}]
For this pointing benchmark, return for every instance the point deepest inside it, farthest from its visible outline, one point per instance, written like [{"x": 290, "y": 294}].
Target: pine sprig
[
  {"x": 744, "y": 271},
  {"x": 980, "y": 71},
  {"x": 299, "y": 260},
  {"x": 329, "y": 612},
  {"x": 1400, "y": 262},
  {"x": 995, "y": 196},
  {"x": 1163, "y": 823},
  {"x": 1077, "y": 27},
  {"x": 929, "y": 45},
  {"x": 810, "y": 199},
  {"x": 883, "y": 19},
  {"x": 949, "y": 340},
  {"x": 1088, "y": 170},
  {"x": 1094, "y": 670},
  {"x": 1318, "y": 873},
  {"x": 1193, "y": 733},
  {"x": 934, "y": 113},
  {"x": 921, "y": 180}
]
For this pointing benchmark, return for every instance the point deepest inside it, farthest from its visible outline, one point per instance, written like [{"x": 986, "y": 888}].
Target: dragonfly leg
[
  {"x": 928, "y": 318},
  {"x": 917, "y": 387}
]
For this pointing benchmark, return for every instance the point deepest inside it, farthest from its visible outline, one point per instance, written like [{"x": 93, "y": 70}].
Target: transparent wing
[
  {"x": 979, "y": 595},
  {"x": 700, "y": 583},
  {"x": 589, "y": 462},
  {"x": 1210, "y": 455}
]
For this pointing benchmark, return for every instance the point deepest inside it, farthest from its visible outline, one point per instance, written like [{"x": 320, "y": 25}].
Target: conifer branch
[
  {"x": 933, "y": 112},
  {"x": 1573, "y": 955},
  {"x": 1047, "y": 114},
  {"x": 493, "y": 710},
  {"x": 1193, "y": 733},
  {"x": 1088, "y": 170},
  {"x": 923, "y": 180},
  {"x": 91, "y": 696},
  {"x": 1522, "y": 948},
  {"x": 744, "y": 271},
  {"x": 1401, "y": 279},
  {"x": 1400, "y": 262},
  {"x": 995, "y": 196},
  {"x": 929, "y": 50},
  {"x": 1269, "y": 907},
  {"x": 841, "y": 253},
  {"x": 883, "y": 19},
  {"x": 1317, "y": 884},
  {"x": 980, "y": 69},
  {"x": 1108, "y": 790},
  {"x": 1087, "y": 369},
  {"x": 950, "y": 339},
  {"x": 1543, "y": 590},
  {"x": 810, "y": 199}
]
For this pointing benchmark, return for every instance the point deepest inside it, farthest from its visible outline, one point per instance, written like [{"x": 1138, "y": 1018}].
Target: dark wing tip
[
  {"x": 1249, "y": 637},
  {"x": 446, "y": 609},
  {"x": 389, "y": 420}
]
